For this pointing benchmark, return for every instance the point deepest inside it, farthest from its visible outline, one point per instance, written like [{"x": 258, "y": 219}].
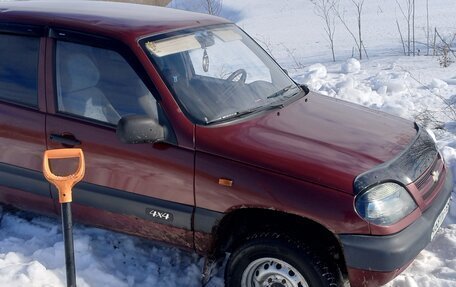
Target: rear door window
[{"x": 19, "y": 69}]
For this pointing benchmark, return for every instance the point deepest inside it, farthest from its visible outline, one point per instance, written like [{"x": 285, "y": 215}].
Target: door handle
[{"x": 65, "y": 139}]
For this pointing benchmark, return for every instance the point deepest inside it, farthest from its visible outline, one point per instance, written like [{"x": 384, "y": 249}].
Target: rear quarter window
[{"x": 19, "y": 69}]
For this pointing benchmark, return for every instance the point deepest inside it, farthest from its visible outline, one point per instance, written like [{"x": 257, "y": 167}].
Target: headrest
[{"x": 81, "y": 73}]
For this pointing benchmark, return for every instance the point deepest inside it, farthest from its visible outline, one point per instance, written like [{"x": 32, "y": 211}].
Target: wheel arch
[{"x": 236, "y": 226}]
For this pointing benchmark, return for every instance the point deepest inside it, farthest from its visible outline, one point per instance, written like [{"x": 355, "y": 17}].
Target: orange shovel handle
[{"x": 64, "y": 184}]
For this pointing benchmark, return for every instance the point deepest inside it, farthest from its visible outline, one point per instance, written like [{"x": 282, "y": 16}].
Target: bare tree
[
  {"x": 266, "y": 43},
  {"x": 434, "y": 51},
  {"x": 213, "y": 7},
  {"x": 428, "y": 31},
  {"x": 445, "y": 49},
  {"x": 325, "y": 9},
  {"x": 359, "y": 11},
  {"x": 408, "y": 14},
  {"x": 292, "y": 55},
  {"x": 413, "y": 27},
  {"x": 402, "y": 38},
  {"x": 359, "y": 5}
]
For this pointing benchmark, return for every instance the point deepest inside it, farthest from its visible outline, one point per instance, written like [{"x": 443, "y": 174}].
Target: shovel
[{"x": 64, "y": 185}]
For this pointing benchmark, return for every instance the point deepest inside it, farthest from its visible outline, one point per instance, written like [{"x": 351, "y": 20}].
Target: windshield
[{"x": 219, "y": 73}]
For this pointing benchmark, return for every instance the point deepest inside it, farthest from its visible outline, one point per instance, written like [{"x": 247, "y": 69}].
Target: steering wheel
[
  {"x": 231, "y": 86},
  {"x": 236, "y": 73}
]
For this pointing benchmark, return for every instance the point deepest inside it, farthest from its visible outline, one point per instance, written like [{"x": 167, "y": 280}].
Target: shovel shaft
[{"x": 67, "y": 224}]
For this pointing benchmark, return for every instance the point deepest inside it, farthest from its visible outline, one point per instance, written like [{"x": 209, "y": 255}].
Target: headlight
[{"x": 384, "y": 204}]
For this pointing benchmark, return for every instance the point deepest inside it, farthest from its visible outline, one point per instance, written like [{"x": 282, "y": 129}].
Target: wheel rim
[{"x": 272, "y": 272}]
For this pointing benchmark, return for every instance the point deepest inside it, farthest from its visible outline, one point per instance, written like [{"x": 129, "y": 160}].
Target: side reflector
[{"x": 225, "y": 182}]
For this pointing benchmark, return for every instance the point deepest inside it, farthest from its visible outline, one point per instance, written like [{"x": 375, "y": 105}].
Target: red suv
[{"x": 194, "y": 136}]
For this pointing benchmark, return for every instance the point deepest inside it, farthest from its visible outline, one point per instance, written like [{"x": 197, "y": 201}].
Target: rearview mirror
[
  {"x": 139, "y": 129},
  {"x": 205, "y": 39}
]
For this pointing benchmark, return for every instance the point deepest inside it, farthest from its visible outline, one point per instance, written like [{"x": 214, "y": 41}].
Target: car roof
[{"x": 119, "y": 20}]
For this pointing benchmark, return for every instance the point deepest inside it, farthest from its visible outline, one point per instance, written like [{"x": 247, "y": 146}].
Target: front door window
[{"x": 98, "y": 84}]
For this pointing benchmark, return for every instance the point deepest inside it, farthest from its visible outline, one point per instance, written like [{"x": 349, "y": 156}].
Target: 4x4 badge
[
  {"x": 159, "y": 214},
  {"x": 435, "y": 175}
]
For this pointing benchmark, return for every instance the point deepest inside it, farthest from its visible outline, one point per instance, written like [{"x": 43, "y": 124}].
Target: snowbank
[
  {"x": 31, "y": 254},
  {"x": 351, "y": 66},
  {"x": 438, "y": 84}
]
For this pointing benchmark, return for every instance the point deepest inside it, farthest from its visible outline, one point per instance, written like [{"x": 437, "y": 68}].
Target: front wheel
[{"x": 274, "y": 260}]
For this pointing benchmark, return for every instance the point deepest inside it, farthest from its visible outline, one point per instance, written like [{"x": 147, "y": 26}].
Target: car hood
[{"x": 317, "y": 138}]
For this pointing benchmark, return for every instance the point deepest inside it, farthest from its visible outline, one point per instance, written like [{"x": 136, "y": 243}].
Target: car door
[
  {"x": 142, "y": 189},
  {"x": 22, "y": 118}
]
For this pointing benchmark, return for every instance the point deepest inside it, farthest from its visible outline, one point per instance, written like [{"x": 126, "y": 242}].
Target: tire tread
[{"x": 329, "y": 272}]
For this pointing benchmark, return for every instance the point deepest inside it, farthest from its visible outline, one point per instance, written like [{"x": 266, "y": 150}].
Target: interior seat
[{"x": 79, "y": 93}]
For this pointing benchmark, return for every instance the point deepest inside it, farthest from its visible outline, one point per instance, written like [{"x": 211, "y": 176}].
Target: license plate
[{"x": 440, "y": 218}]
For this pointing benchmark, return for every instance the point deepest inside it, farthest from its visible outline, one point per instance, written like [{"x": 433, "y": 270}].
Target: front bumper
[{"x": 388, "y": 255}]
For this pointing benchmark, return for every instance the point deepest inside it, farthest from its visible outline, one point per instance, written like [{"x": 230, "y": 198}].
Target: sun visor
[
  {"x": 169, "y": 46},
  {"x": 165, "y": 47}
]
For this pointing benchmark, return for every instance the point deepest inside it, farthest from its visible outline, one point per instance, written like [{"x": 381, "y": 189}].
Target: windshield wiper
[
  {"x": 282, "y": 91},
  {"x": 243, "y": 113},
  {"x": 272, "y": 106}
]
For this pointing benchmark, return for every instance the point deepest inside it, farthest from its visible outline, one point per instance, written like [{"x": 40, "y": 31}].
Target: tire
[{"x": 275, "y": 260}]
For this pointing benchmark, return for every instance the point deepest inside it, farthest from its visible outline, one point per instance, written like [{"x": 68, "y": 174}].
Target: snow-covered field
[{"x": 31, "y": 247}]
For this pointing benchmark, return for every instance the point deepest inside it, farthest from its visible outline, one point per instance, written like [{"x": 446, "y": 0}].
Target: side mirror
[
  {"x": 139, "y": 129},
  {"x": 305, "y": 88}
]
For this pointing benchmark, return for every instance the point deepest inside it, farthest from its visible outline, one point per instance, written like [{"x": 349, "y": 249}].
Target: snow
[
  {"x": 438, "y": 84},
  {"x": 32, "y": 254},
  {"x": 416, "y": 88},
  {"x": 351, "y": 66}
]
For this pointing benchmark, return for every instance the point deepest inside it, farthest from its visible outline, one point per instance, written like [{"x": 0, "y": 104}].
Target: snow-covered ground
[
  {"x": 32, "y": 254},
  {"x": 417, "y": 88}
]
